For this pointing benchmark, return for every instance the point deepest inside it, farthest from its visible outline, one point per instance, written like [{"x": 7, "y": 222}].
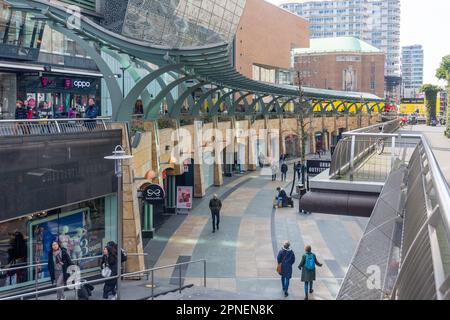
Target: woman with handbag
[
  {"x": 286, "y": 259},
  {"x": 109, "y": 269},
  {"x": 58, "y": 262}
]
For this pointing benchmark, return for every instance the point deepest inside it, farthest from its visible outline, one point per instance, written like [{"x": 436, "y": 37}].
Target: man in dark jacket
[
  {"x": 21, "y": 111},
  {"x": 286, "y": 258},
  {"x": 91, "y": 113},
  {"x": 284, "y": 170},
  {"x": 215, "y": 205}
]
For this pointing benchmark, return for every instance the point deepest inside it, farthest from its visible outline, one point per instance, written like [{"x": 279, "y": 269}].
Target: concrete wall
[{"x": 131, "y": 221}]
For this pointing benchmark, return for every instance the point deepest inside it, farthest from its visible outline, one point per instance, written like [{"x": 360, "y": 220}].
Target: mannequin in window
[
  {"x": 65, "y": 240},
  {"x": 76, "y": 240}
]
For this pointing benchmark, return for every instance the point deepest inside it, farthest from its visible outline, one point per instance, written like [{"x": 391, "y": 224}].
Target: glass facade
[
  {"x": 83, "y": 229},
  {"x": 8, "y": 91},
  {"x": 181, "y": 23}
]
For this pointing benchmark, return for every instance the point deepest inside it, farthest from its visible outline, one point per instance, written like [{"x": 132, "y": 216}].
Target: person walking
[
  {"x": 215, "y": 205},
  {"x": 284, "y": 170},
  {"x": 274, "y": 168},
  {"x": 21, "y": 111},
  {"x": 58, "y": 262},
  {"x": 109, "y": 260},
  {"x": 298, "y": 170},
  {"x": 308, "y": 268},
  {"x": 92, "y": 113},
  {"x": 285, "y": 259}
]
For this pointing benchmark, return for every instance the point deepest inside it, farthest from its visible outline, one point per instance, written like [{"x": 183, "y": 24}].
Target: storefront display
[
  {"x": 83, "y": 229},
  {"x": 60, "y": 92}
]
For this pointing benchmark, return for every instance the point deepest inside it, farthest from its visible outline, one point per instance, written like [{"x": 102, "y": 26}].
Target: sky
[{"x": 426, "y": 23}]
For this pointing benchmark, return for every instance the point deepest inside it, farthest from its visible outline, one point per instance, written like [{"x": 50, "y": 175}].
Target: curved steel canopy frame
[{"x": 206, "y": 64}]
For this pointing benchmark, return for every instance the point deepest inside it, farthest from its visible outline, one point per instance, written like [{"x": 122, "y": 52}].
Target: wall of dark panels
[{"x": 45, "y": 172}]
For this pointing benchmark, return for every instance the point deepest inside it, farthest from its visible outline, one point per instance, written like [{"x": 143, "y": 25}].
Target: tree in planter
[
  {"x": 443, "y": 73},
  {"x": 431, "y": 92}
]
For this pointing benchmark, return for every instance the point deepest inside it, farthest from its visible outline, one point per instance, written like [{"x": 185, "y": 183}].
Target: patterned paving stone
[{"x": 241, "y": 256}]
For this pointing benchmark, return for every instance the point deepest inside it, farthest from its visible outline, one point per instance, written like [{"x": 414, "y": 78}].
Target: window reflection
[{"x": 183, "y": 23}]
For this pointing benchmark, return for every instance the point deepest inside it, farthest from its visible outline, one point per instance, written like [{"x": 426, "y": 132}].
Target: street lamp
[
  {"x": 123, "y": 79},
  {"x": 118, "y": 156}
]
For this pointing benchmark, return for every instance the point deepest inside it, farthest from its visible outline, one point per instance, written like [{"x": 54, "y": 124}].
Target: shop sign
[
  {"x": 153, "y": 194},
  {"x": 184, "y": 197},
  {"x": 79, "y": 84},
  {"x": 315, "y": 167}
]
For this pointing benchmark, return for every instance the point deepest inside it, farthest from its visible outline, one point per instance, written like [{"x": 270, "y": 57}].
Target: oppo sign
[{"x": 81, "y": 84}]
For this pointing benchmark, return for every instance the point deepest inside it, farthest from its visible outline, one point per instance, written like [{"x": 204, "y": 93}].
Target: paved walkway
[
  {"x": 439, "y": 143},
  {"x": 241, "y": 255}
]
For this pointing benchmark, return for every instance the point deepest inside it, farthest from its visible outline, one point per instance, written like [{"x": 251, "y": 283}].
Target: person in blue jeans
[
  {"x": 286, "y": 258},
  {"x": 308, "y": 268}
]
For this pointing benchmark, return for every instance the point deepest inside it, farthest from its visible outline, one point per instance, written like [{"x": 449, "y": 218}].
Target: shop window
[{"x": 83, "y": 229}]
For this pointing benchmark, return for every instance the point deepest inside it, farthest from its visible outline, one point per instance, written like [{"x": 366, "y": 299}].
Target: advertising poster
[
  {"x": 184, "y": 197},
  {"x": 77, "y": 232}
]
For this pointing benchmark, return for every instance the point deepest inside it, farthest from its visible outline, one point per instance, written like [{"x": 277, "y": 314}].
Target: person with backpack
[
  {"x": 285, "y": 259},
  {"x": 284, "y": 170},
  {"x": 308, "y": 268}
]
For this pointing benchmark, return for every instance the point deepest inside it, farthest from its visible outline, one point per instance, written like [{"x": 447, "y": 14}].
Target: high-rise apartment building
[
  {"x": 374, "y": 21},
  {"x": 412, "y": 70}
]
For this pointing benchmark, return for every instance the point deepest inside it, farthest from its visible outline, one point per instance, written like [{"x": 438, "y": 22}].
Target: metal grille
[
  {"x": 407, "y": 238},
  {"x": 424, "y": 272},
  {"x": 378, "y": 250}
]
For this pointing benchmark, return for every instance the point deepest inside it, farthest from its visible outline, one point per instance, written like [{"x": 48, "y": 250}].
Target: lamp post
[{"x": 118, "y": 156}]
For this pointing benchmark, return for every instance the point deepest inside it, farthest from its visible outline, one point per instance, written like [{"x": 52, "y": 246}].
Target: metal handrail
[
  {"x": 29, "y": 266},
  {"x": 344, "y": 158},
  {"x": 420, "y": 231},
  {"x": 36, "y": 293},
  {"x": 425, "y": 213},
  {"x": 29, "y": 127},
  {"x": 51, "y": 120},
  {"x": 152, "y": 271}
]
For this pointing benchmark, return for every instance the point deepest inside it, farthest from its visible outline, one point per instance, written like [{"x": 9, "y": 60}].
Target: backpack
[{"x": 310, "y": 263}]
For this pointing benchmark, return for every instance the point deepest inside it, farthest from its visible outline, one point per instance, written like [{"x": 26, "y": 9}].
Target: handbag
[
  {"x": 106, "y": 272},
  {"x": 279, "y": 265}
]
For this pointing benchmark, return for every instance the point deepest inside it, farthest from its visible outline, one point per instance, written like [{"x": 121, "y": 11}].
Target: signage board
[
  {"x": 315, "y": 167},
  {"x": 153, "y": 194},
  {"x": 184, "y": 197}
]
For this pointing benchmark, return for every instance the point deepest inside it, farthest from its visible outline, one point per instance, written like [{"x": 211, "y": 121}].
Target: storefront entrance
[
  {"x": 292, "y": 146},
  {"x": 61, "y": 93},
  {"x": 83, "y": 229}
]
